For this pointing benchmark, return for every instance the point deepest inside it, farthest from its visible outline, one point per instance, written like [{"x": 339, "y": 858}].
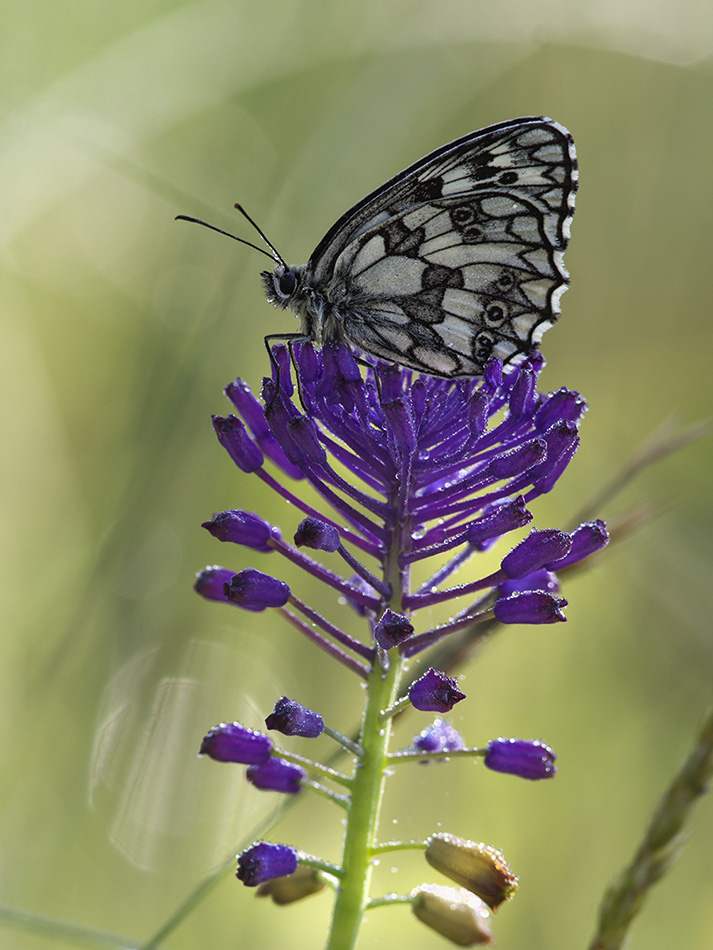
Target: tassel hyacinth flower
[{"x": 411, "y": 471}]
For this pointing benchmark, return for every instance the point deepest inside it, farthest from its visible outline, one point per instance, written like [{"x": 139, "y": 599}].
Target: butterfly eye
[{"x": 287, "y": 283}]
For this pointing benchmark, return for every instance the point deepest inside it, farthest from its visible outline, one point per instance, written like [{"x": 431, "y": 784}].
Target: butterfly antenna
[{"x": 273, "y": 257}]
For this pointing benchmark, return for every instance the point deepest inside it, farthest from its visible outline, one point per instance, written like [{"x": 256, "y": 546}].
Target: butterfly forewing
[{"x": 534, "y": 156}]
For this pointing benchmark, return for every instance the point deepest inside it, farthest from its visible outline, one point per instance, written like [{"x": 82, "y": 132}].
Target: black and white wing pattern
[{"x": 457, "y": 259}]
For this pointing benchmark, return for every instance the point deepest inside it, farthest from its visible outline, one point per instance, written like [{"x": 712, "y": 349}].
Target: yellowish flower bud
[
  {"x": 478, "y": 867},
  {"x": 453, "y": 912},
  {"x": 285, "y": 890}
]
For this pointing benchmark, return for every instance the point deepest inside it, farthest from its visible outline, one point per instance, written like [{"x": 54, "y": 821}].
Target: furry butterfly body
[{"x": 455, "y": 260}]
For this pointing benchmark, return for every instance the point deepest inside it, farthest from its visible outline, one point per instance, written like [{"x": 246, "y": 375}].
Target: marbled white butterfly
[{"x": 457, "y": 259}]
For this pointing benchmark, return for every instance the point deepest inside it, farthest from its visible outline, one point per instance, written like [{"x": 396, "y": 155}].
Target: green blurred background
[{"x": 120, "y": 328}]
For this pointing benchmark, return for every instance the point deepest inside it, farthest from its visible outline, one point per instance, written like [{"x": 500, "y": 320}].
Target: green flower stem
[
  {"x": 399, "y": 846},
  {"x": 333, "y": 797},
  {"x": 389, "y": 900},
  {"x": 329, "y": 870},
  {"x": 396, "y": 758},
  {"x": 311, "y": 766},
  {"x": 396, "y": 708},
  {"x": 363, "y": 812},
  {"x": 343, "y": 741}
]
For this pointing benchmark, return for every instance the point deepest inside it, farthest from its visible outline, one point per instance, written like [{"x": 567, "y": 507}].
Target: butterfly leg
[{"x": 290, "y": 339}]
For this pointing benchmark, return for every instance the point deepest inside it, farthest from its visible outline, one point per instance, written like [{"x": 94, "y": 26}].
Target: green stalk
[{"x": 364, "y": 808}]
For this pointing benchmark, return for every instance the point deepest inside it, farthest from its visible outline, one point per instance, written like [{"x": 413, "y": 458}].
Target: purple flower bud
[
  {"x": 264, "y": 861},
  {"x": 510, "y": 464},
  {"x": 241, "y": 396},
  {"x": 586, "y": 539},
  {"x": 531, "y": 760},
  {"x": 303, "y": 433},
  {"x": 210, "y": 583},
  {"x": 398, "y": 416},
  {"x": 439, "y": 736},
  {"x": 538, "y": 548},
  {"x": 251, "y": 588},
  {"x": 240, "y": 527},
  {"x": 279, "y": 413},
  {"x": 234, "y": 438},
  {"x": 500, "y": 520},
  {"x": 538, "y": 580},
  {"x": 477, "y": 413},
  {"x": 522, "y": 395},
  {"x": 276, "y": 775},
  {"x": 533, "y": 606},
  {"x": 281, "y": 355},
  {"x": 308, "y": 362},
  {"x": 562, "y": 442},
  {"x": 419, "y": 397},
  {"x": 316, "y": 534},
  {"x": 292, "y": 719},
  {"x": 391, "y": 382},
  {"x": 345, "y": 364},
  {"x": 435, "y": 692},
  {"x": 493, "y": 374},
  {"x": 231, "y": 742},
  {"x": 392, "y": 629},
  {"x": 563, "y": 406}
]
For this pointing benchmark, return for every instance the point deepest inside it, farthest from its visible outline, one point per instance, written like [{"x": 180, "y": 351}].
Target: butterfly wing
[{"x": 459, "y": 257}]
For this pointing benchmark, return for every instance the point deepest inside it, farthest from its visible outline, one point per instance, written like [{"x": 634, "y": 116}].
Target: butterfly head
[{"x": 282, "y": 285}]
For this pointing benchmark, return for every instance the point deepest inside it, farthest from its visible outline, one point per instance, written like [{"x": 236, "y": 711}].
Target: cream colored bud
[
  {"x": 453, "y": 912},
  {"x": 480, "y": 868},
  {"x": 285, "y": 890}
]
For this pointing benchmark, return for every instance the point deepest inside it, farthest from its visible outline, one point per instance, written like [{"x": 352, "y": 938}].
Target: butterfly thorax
[{"x": 292, "y": 287}]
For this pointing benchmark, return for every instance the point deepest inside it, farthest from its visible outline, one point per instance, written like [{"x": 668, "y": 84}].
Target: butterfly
[{"x": 457, "y": 259}]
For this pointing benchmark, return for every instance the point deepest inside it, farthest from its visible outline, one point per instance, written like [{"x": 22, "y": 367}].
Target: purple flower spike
[
  {"x": 276, "y": 775},
  {"x": 411, "y": 468},
  {"x": 316, "y": 534},
  {"x": 293, "y": 719},
  {"x": 231, "y": 742},
  {"x": 531, "y": 760},
  {"x": 533, "y": 606},
  {"x": 240, "y": 527},
  {"x": 251, "y": 588},
  {"x": 435, "y": 692},
  {"x": 263, "y": 862},
  {"x": 392, "y": 629}
]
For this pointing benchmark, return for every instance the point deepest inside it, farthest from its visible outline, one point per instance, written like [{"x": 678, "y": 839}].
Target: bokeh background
[{"x": 120, "y": 328}]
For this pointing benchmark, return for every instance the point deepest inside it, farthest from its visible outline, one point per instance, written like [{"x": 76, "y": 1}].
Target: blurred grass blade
[{"x": 625, "y": 897}]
